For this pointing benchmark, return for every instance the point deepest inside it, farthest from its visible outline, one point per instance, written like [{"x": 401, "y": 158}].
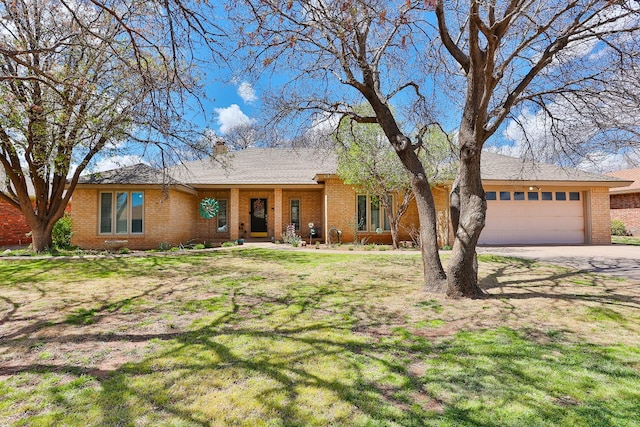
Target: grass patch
[
  {"x": 626, "y": 240},
  {"x": 263, "y": 337}
]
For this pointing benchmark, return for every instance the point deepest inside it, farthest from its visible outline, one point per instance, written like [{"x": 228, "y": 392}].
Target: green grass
[
  {"x": 626, "y": 240},
  {"x": 261, "y": 337}
]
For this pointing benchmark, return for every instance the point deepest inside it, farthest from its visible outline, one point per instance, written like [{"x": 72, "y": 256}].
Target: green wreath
[{"x": 208, "y": 208}]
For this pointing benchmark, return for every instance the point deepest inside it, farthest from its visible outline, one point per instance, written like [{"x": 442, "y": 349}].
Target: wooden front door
[{"x": 259, "y": 218}]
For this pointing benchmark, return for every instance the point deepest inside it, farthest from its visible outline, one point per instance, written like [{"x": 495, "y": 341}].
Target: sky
[{"x": 239, "y": 101}]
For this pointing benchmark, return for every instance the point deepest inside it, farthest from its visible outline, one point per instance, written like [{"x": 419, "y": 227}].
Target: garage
[{"x": 534, "y": 217}]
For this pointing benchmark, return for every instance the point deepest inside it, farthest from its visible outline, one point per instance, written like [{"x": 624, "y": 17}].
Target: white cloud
[
  {"x": 247, "y": 93},
  {"x": 111, "y": 162},
  {"x": 230, "y": 117}
]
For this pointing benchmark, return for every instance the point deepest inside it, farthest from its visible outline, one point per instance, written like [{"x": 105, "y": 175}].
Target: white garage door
[{"x": 534, "y": 217}]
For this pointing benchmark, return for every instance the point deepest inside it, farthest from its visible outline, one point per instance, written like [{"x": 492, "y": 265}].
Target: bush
[
  {"x": 199, "y": 246},
  {"x": 61, "y": 233},
  {"x": 618, "y": 228}
]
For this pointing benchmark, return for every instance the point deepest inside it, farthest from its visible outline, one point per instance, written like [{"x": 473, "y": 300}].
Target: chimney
[{"x": 220, "y": 147}]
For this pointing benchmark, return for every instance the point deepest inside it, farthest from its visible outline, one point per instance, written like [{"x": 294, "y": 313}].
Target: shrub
[
  {"x": 228, "y": 244},
  {"x": 61, "y": 233},
  {"x": 124, "y": 251},
  {"x": 199, "y": 246},
  {"x": 618, "y": 228}
]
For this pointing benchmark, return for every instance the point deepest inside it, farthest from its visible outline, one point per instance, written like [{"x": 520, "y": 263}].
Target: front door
[{"x": 259, "y": 218}]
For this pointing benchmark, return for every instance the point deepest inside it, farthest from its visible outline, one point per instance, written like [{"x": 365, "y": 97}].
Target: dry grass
[{"x": 271, "y": 337}]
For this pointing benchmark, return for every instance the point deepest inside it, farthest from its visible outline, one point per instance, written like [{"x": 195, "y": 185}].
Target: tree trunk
[
  {"x": 394, "y": 235},
  {"x": 434, "y": 275},
  {"x": 468, "y": 213},
  {"x": 41, "y": 235}
]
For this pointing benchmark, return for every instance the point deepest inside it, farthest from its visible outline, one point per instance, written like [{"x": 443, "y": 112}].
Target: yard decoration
[{"x": 208, "y": 208}]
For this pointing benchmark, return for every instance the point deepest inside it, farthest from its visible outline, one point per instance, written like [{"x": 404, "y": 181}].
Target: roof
[
  {"x": 302, "y": 166},
  {"x": 139, "y": 174},
  {"x": 498, "y": 167},
  {"x": 3, "y": 183},
  {"x": 276, "y": 166},
  {"x": 628, "y": 175}
]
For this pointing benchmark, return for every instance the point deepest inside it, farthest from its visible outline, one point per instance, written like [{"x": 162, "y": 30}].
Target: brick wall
[
  {"x": 311, "y": 210},
  {"x": 342, "y": 211},
  {"x": 206, "y": 230},
  {"x": 13, "y": 226},
  {"x": 626, "y": 208},
  {"x": 625, "y": 201},
  {"x": 168, "y": 217},
  {"x": 600, "y": 216}
]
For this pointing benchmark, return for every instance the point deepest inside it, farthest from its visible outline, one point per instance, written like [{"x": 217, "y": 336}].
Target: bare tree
[
  {"x": 518, "y": 53},
  {"x": 78, "y": 78},
  {"x": 325, "y": 47}
]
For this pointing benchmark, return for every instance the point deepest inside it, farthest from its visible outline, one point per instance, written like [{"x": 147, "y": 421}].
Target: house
[
  {"x": 625, "y": 201},
  {"x": 261, "y": 190}
]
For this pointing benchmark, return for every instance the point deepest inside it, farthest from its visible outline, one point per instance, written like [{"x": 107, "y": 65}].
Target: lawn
[
  {"x": 626, "y": 240},
  {"x": 262, "y": 337}
]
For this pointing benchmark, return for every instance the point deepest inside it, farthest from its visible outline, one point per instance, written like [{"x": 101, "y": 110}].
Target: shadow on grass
[{"x": 324, "y": 353}]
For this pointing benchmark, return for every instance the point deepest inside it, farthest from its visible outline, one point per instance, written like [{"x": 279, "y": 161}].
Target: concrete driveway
[{"x": 617, "y": 260}]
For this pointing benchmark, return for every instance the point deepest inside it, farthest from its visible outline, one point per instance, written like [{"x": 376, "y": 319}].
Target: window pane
[
  {"x": 547, "y": 195},
  {"x": 222, "y": 216},
  {"x": 505, "y": 195},
  {"x": 121, "y": 212},
  {"x": 490, "y": 195},
  {"x": 518, "y": 195},
  {"x": 137, "y": 202},
  {"x": 561, "y": 195},
  {"x": 106, "y": 210},
  {"x": 574, "y": 195},
  {"x": 295, "y": 213},
  {"x": 362, "y": 213},
  {"x": 532, "y": 195},
  {"x": 375, "y": 213}
]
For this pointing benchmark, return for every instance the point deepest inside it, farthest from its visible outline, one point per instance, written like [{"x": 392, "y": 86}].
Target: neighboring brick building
[
  {"x": 260, "y": 191},
  {"x": 13, "y": 226},
  {"x": 625, "y": 201}
]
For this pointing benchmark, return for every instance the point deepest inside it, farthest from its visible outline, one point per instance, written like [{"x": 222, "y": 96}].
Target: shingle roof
[
  {"x": 287, "y": 166},
  {"x": 139, "y": 174},
  {"x": 627, "y": 175},
  {"x": 259, "y": 166},
  {"x": 505, "y": 168}
]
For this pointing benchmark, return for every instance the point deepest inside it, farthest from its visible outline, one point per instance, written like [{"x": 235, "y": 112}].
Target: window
[
  {"x": 518, "y": 195},
  {"x": 505, "y": 195},
  {"x": 547, "y": 195},
  {"x": 561, "y": 195},
  {"x": 223, "y": 227},
  {"x": 295, "y": 212},
  {"x": 532, "y": 195},
  {"x": 371, "y": 215},
  {"x": 121, "y": 212},
  {"x": 490, "y": 195},
  {"x": 574, "y": 195}
]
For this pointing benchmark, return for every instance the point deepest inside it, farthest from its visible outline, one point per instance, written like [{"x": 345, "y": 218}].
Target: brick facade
[
  {"x": 599, "y": 217},
  {"x": 172, "y": 217},
  {"x": 13, "y": 226},
  {"x": 626, "y": 208},
  {"x": 169, "y": 217}
]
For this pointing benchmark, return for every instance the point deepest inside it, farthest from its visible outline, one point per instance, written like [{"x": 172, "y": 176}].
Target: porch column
[
  {"x": 234, "y": 214},
  {"x": 277, "y": 214}
]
